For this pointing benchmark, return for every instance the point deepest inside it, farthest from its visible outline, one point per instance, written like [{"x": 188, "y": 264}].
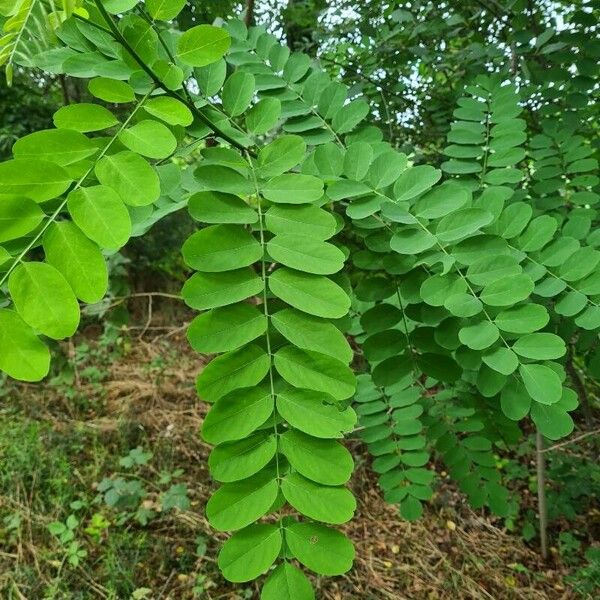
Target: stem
[
  {"x": 579, "y": 387},
  {"x": 249, "y": 16},
  {"x": 263, "y": 264},
  {"x": 572, "y": 441},
  {"x": 541, "y": 493}
]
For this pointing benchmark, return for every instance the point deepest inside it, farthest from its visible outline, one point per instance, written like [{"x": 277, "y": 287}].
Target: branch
[
  {"x": 571, "y": 441},
  {"x": 249, "y": 16}
]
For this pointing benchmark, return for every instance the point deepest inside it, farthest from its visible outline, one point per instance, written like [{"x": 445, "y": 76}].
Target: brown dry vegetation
[{"x": 451, "y": 553}]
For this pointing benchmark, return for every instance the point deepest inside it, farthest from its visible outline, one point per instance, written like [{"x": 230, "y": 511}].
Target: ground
[{"x": 60, "y": 444}]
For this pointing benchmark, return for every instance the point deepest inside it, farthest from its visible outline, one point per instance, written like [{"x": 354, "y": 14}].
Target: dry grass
[{"x": 451, "y": 553}]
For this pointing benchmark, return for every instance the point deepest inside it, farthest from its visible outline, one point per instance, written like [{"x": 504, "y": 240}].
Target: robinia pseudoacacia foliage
[{"x": 453, "y": 290}]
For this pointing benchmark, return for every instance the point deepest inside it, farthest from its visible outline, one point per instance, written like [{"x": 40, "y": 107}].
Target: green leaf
[
  {"x": 542, "y": 383},
  {"x": 263, "y": 116},
  {"x": 501, "y": 359},
  {"x": 302, "y": 220},
  {"x": 523, "y": 319},
  {"x": 344, "y": 188},
  {"x": 311, "y": 333},
  {"x": 250, "y": 552},
  {"x": 350, "y": 115},
  {"x": 357, "y": 160},
  {"x": 311, "y": 413},
  {"x": 38, "y": 180},
  {"x": 515, "y": 401},
  {"x": 539, "y": 232},
  {"x": 463, "y": 305},
  {"x": 293, "y": 188},
  {"x": 44, "y": 299},
  {"x": 581, "y": 263},
  {"x": 435, "y": 289},
  {"x": 479, "y": 336},
  {"x": 411, "y": 509},
  {"x": 238, "y": 414},
  {"x": 218, "y": 207},
  {"x": 84, "y": 117},
  {"x": 281, "y": 155},
  {"x": 332, "y": 99},
  {"x": 18, "y": 216},
  {"x": 380, "y": 317},
  {"x": 223, "y": 179},
  {"x": 462, "y": 223},
  {"x": 444, "y": 199},
  {"x": 329, "y": 160},
  {"x": 149, "y": 138},
  {"x": 239, "y": 504},
  {"x": 321, "y": 549},
  {"x": 232, "y": 461},
  {"x": 118, "y": 6},
  {"x": 134, "y": 180},
  {"x": 171, "y": 75},
  {"x": 211, "y": 77},
  {"x": 287, "y": 582},
  {"x": 507, "y": 291},
  {"x": 386, "y": 168},
  {"x": 315, "y": 371},
  {"x": 5, "y": 257},
  {"x": 221, "y": 248},
  {"x": 111, "y": 90},
  {"x": 209, "y": 290},
  {"x": 540, "y": 346},
  {"x": 22, "y": 355},
  {"x": 491, "y": 268},
  {"x": 296, "y": 67},
  {"x": 303, "y": 253},
  {"x": 443, "y": 368},
  {"x": 415, "y": 181},
  {"x": 169, "y": 110},
  {"x": 313, "y": 294},
  {"x": 409, "y": 240},
  {"x": 552, "y": 421},
  {"x": 513, "y": 220},
  {"x": 78, "y": 259},
  {"x": 238, "y": 92},
  {"x": 241, "y": 368},
  {"x": 164, "y": 10},
  {"x": 571, "y": 304},
  {"x": 392, "y": 370},
  {"x": 589, "y": 319},
  {"x": 335, "y": 505},
  {"x": 100, "y": 213},
  {"x": 323, "y": 461},
  {"x": 227, "y": 328},
  {"x": 63, "y": 147},
  {"x": 202, "y": 45}
]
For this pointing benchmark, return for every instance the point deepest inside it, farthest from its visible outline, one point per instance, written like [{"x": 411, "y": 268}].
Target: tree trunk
[{"x": 249, "y": 16}]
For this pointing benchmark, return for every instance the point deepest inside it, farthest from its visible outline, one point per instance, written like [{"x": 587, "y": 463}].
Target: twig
[
  {"x": 579, "y": 387},
  {"x": 249, "y": 13},
  {"x": 571, "y": 441},
  {"x": 149, "y": 320},
  {"x": 117, "y": 300}
]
